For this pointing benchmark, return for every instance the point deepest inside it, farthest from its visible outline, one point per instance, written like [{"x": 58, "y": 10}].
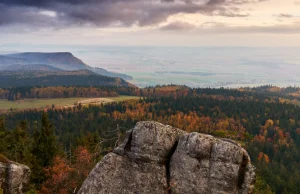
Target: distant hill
[
  {"x": 57, "y": 78},
  {"x": 62, "y": 61},
  {"x": 6, "y": 61},
  {"x": 33, "y": 67}
]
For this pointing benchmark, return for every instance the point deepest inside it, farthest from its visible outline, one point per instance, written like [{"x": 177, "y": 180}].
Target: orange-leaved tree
[{"x": 58, "y": 177}]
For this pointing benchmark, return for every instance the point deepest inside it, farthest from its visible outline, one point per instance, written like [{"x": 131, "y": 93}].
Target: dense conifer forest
[
  {"x": 61, "y": 146},
  {"x": 57, "y": 78}
]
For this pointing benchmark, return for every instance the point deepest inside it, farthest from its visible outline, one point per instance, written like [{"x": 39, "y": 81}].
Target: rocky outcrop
[
  {"x": 138, "y": 165},
  {"x": 156, "y": 158},
  {"x": 13, "y": 177},
  {"x": 204, "y": 164}
]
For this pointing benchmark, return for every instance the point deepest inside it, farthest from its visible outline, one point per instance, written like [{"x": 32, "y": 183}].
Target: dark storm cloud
[
  {"x": 61, "y": 13},
  {"x": 24, "y": 15}
]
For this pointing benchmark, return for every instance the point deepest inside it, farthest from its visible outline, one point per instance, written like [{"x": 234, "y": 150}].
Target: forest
[
  {"x": 264, "y": 120},
  {"x": 9, "y": 79}
]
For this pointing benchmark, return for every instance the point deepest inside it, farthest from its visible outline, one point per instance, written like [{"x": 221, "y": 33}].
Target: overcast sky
[{"x": 151, "y": 22}]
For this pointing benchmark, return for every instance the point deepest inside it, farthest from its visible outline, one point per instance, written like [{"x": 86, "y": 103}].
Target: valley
[{"x": 231, "y": 67}]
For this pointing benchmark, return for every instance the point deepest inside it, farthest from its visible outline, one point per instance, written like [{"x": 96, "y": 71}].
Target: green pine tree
[
  {"x": 20, "y": 144},
  {"x": 44, "y": 149},
  {"x": 3, "y": 137}
]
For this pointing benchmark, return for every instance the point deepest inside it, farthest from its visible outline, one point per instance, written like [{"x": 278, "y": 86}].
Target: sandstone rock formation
[
  {"x": 157, "y": 159},
  {"x": 204, "y": 164},
  {"x": 13, "y": 177}
]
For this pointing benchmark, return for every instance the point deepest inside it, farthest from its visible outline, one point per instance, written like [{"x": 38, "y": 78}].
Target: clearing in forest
[{"x": 6, "y": 105}]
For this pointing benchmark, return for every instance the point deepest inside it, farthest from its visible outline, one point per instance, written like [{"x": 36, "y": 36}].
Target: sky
[{"x": 262, "y": 23}]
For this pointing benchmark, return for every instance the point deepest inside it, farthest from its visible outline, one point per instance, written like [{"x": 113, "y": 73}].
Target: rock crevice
[
  {"x": 168, "y": 166},
  {"x": 157, "y": 158}
]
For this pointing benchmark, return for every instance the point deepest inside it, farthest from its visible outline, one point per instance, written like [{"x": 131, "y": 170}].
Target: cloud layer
[{"x": 103, "y": 13}]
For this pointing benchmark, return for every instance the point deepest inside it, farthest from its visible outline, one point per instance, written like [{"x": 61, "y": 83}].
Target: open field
[
  {"x": 57, "y": 102},
  {"x": 123, "y": 98},
  {"x": 95, "y": 101}
]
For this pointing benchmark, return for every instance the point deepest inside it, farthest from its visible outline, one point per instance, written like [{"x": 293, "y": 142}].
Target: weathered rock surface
[
  {"x": 204, "y": 164},
  {"x": 138, "y": 165},
  {"x": 13, "y": 177},
  {"x": 156, "y": 158}
]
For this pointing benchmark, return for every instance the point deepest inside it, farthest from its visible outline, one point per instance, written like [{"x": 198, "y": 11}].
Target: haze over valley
[
  {"x": 193, "y": 66},
  {"x": 200, "y": 66}
]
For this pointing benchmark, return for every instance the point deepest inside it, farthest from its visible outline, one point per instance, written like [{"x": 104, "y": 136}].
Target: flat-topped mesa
[{"x": 156, "y": 158}]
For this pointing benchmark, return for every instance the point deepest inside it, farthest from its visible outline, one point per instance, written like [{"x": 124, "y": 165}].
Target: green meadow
[{"x": 47, "y": 103}]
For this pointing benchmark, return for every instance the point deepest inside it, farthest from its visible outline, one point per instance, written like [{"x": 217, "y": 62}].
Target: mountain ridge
[{"x": 64, "y": 61}]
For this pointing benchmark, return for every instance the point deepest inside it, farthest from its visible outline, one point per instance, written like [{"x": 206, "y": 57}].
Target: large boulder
[
  {"x": 119, "y": 174},
  {"x": 204, "y": 164},
  {"x": 13, "y": 177},
  {"x": 138, "y": 165},
  {"x": 156, "y": 158}
]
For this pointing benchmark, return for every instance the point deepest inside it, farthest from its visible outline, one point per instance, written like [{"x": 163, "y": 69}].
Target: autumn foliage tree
[
  {"x": 65, "y": 177},
  {"x": 58, "y": 177},
  {"x": 83, "y": 165}
]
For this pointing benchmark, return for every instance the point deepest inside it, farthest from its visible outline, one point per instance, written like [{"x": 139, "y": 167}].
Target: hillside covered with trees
[
  {"x": 13, "y": 79},
  {"x": 265, "y": 120}
]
